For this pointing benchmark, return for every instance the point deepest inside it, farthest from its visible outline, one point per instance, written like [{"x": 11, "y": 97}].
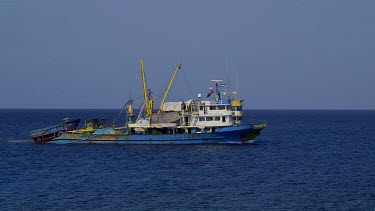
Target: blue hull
[{"x": 227, "y": 135}]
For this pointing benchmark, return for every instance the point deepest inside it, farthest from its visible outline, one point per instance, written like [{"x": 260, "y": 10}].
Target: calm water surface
[{"x": 303, "y": 160}]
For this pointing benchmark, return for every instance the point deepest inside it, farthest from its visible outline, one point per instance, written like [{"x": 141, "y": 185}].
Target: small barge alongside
[{"x": 44, "y": 135}]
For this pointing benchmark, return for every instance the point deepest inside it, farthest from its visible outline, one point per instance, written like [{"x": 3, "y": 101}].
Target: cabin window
[
  {"x": 217, "y": 118},
  {"x": 237, "y": 108},
  {"x": 207, "y": 130},
  {"x": 209, "y": 118},
  {"x": 223, "y": 118},
  {"x": 201, "y": 119}
]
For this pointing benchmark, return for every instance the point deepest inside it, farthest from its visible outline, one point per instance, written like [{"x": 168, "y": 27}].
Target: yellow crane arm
[
  {"x": 144, "y": 86},
  {"x": 147, "y": 98},
  {"x": 169, "y": 86}
]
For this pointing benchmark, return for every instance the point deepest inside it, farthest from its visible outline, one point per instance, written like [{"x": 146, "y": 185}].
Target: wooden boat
[{"x": 44, "y": 135}]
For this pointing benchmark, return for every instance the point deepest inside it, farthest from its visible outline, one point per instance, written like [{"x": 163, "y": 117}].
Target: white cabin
[{"x": 214, "y": 114}]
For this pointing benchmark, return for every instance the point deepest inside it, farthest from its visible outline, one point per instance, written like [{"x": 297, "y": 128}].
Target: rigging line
[
  {"x": 188, "y": 84},
  {"x": 138, "y": 99},
  {"x": 237, "y": 86},
  {"x": 164, "y": 87},
  {"x": 228, "y": 78},
  {"x": 140, "y": 111},
  {"x": 122, "y": 109},
  {"x": 161, "y": 90},
  {"x": 158, "y": 96}
]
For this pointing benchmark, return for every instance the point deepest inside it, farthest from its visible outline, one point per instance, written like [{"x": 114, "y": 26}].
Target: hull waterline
[{"x": 230, "y": 135}]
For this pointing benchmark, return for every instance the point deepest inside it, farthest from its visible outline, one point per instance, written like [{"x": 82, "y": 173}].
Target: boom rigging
[{"x": 169, "y": 86}]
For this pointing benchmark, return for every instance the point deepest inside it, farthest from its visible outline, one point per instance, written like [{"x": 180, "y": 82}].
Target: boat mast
[
  {"x": 238, "y": 86},
  {"x": 169, "y": 86},
  {"x": 148, "y": 101},
  {"x": 228, "y": 78},
  {"x": 217, "y": 85}
]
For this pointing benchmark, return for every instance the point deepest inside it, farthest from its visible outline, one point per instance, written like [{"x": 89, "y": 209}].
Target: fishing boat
[
  {"x": 194, "y": 121},
  {"x": 44, "y": 135}
]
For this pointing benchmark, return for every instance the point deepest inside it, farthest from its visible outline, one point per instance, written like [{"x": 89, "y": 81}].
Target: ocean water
[{"x": 305, "y": 159}]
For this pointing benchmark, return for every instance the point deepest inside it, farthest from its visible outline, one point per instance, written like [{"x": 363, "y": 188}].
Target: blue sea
[{"x": 305, "y": 159}]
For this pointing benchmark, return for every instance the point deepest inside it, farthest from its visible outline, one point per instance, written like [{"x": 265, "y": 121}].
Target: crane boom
[
  {"x": 144, "y": 86},
  {"x": 169, "y": 86},
  {"x": 146, "y": 97}
]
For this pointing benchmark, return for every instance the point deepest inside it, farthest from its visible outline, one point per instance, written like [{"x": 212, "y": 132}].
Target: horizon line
[{"x": 311, "y": 109}]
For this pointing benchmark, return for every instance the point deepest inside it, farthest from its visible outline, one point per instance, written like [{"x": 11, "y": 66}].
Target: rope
[
  {"x": 188, "y": 84},
  {"x": 122, "y": 109}
]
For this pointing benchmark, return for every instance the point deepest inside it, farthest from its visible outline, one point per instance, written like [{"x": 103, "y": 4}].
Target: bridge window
[
  {"x": 208, "y": 118},
  {"x": 237, "y": 108},
  {"x": 201, "y": 119},
  {"x": 217, "y": 118},
  {"x": 212, "y": 107}
]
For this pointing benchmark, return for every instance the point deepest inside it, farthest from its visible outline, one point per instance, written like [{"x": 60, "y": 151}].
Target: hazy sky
[{"x": 287, "y": 54}]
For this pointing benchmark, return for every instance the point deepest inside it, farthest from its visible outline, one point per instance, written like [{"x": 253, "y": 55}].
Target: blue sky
[{"x": 286, "y": 54}]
